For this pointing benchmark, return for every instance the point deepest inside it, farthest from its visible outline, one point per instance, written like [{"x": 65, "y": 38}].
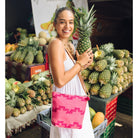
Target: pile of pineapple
[
  {"x": 31, "y": 49},
  {"x": 23, "y": 97},
  {"x": 111, "y": 71}
]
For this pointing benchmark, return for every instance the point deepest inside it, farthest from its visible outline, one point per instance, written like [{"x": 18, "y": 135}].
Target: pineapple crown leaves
[
  {"x": 113, "y": 80},
  {"x": 33, "y": 50},
  {"x": 110, "y": 59},
  {"x": 111, "y": 65},
  {"x": 108, "y": 48},
  {"x": 84, "y": 20},
  {"x": 10, "y": 98}
]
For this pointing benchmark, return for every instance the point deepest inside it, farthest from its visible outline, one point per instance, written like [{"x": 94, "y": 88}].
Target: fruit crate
[
  {"x": 44, "y": 120},
  {"x": 125, "y": 105},
  {"x": 107, "y": 106},
  {"x": 46, "y": 63},
  {"x": 109, "y": 132},
  {"x": 22, "y": 72}
]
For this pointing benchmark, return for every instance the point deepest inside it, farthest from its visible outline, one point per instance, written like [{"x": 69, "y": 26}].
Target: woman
[{"x": 65, "y": 72}]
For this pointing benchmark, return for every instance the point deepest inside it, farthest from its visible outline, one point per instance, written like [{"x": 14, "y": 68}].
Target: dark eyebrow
[{"x": 64, "y": 19}]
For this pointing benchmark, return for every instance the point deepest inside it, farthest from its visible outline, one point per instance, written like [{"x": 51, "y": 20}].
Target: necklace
[{"x": 67, "y": 45}]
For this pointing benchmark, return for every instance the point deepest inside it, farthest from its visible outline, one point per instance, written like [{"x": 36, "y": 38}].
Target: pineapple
[
  {"x": 115, "y": 89},
  {"x": 12, "y": 55},
  {"x": 29, "y": 107},
  {"x": 119, "y": 54},
  {"x": 84, "y": 22},
  {"x": 35, "y": 77},
  {"x": 127, "y": 54},
  {"x": 47, "y": 82},
  {"x": 111, "y": 65},
  {"x": 104, "y": 77},
  {"x": 20, "y": 102},
  {"x": 39, "y": 57},
  {"x": 121, "y": 78},
  {"x": 105, "y": 91},
  {"x": 125, "y": 76},
  {"x": 23, "y": 110},
  {"x": 22, "y": 56},
  {"x": 99, "y": 54},
  {"x": 41, "y": 91},
  {"x": 19, "y": 88},
  {"x": 8, "y": 111},
  {"x": 40, "y": 103},
  {"x": 130, "y": 60},
  {"x": 124, "y": 84},
  {"x": 39, "y": 98},
  {"x": 87, "y": 85},
  {"x": 16, "y": 112},
  {"x": 29, "y": 58},
  {"x": 119, "y": 87},
  {"x": 130, "y": 67},
  {"x": 48, "y": 90},
  {"x": 119, "y": 71},
  {"x": 125, "y": 61},
  {"x": 114, "y": 78},
  {"x": 93, "y": 77},
  {"x": 45, "y": 102},
  {"x": 100, "y": 65},
  {"x": 44, "y": 97},
  {"x": 28, "y": 100},
  {"x": 125, "y": 68},
  {"x": 70, "y": 4},
  {"x": 91, "y": 67},
  {"x": 49, "y": 95},
  {"x": 31, "y": 93},
  {"x": 85, "y": 73},
  {"x": 119, "y": 63},
  {"x": 94, "y": 89}
]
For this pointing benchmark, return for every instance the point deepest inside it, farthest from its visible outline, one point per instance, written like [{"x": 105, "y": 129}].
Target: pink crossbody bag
[{"x": 68, "y": 110}]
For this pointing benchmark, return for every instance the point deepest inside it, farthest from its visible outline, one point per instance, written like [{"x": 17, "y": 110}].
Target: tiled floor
[{"x": 123, "y": 128}]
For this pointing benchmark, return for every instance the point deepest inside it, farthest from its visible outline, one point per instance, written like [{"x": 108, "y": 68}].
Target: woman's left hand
[{"x": 90, "y": 60}]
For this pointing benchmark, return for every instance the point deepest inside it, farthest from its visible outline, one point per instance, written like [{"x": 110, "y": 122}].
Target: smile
[{"x": 66, "y": 31}]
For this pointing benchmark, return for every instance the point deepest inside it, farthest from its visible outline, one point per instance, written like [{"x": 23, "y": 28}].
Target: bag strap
[{"x": 79, "y": 74}]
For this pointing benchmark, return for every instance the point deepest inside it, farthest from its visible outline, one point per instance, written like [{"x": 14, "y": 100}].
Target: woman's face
[{"x": 65, "y": 24}]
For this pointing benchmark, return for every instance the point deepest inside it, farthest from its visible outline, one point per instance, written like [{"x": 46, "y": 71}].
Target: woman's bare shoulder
[{"x": 55, "y": 46}]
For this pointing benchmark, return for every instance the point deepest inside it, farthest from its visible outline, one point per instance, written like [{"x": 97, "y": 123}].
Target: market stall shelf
[
  {"x": 15, "y": 125},
  {"x": 109, "y": 108},
  {"x": 22, "y": 72}
]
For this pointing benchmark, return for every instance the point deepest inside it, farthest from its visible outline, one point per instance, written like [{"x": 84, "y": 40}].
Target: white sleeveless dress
[{"x": 73, "y": 87}]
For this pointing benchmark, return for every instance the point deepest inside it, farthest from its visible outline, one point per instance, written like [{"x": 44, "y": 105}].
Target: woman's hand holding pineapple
[{"x": 85, "y": 59}]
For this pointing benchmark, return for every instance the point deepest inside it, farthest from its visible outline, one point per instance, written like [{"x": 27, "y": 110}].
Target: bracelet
[{"x": 79, "y": 64}]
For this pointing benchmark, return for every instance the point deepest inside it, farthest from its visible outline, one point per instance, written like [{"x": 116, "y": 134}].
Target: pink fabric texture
[{"x": 68, "y": 110}]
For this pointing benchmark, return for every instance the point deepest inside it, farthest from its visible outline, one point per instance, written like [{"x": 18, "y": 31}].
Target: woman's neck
[{"x": 64, "y": 41}]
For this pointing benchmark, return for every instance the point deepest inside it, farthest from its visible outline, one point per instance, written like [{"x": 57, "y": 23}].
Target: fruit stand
[
  {"x": 109, "y": 108},
  {"x": 23, "y": 120},
  {"x": 28, "y": 89}
]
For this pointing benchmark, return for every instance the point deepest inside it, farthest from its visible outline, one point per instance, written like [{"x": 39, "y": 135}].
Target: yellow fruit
[
  {"x": 97, "y": 119},
  {"x": 42, "y": 41},
  {"x": 31, "y": 93},
  {"x": 42, "y": 34}
]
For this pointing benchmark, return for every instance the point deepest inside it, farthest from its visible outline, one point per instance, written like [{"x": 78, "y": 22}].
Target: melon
[
  {"x": 92, "y": 113},
  {"x": 97, "y": 119}
]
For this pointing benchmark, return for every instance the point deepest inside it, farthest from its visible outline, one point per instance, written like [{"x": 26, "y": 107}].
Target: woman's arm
[{"x": 57, "y": 56}]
